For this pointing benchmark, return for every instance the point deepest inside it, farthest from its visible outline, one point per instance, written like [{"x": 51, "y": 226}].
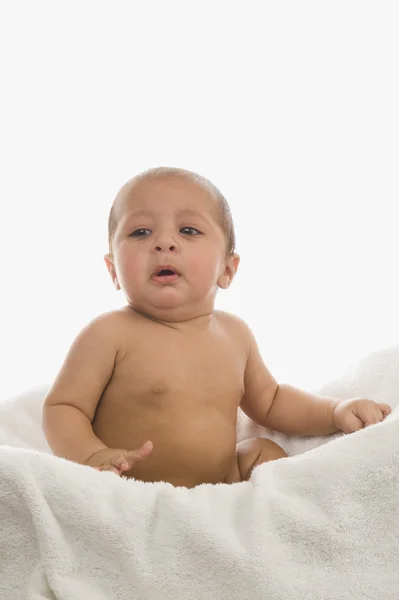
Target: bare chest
[
  {"x": 206, "y": 366},
  {"x": 181, "y": 392}
]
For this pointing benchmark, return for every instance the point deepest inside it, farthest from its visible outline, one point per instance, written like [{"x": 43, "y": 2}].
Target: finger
[
  {"x": 140, "y": 454},
  {"x": 111, "y": 469},
  {"x": 107, "y": 468},
  {"x": 352, "y": 423},
  {"x": 385, "y": 409},
  {"x": 129, "y": 458},
  {"x": 122, "y": 462},
  {"x": 146, "y": 448},
  {"x": 373, "y": 417}
]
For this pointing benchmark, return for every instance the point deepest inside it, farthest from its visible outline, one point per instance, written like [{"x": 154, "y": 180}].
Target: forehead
[{"x": 162, "y": 193}]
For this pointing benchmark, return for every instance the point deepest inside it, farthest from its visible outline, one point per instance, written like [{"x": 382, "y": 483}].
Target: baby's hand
[
  {"x": 118, "y": 461},
  {"x": 354, "y": 414}
]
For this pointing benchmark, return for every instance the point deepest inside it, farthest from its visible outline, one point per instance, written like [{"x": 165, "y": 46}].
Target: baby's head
[{"x": 171, "y": 243}]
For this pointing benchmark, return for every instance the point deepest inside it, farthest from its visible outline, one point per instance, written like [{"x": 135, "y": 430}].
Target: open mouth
[{"x": 165, "y": 273}]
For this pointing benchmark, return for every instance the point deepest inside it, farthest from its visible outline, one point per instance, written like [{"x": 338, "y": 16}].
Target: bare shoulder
[
  {"x": 90, "y": 362},
  {"x": 107, "y": 326},
  {"x": 231, "y": 320},
  {"x": 112, "y": 323},
  {"x": 236, "y": 327},
  {"x": 113, "y": 327}
]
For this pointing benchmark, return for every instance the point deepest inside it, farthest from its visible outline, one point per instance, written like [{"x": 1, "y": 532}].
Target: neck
[{"x": 199, "y": 321}]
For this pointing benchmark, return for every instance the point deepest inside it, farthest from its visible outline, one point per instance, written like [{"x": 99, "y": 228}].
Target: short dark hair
[{"x": 226, "y": 219}]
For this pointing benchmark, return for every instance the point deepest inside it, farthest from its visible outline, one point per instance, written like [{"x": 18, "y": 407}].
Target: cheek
[
  {"x": 205, "y": 265},
  {"x": 129, "y": 263}
]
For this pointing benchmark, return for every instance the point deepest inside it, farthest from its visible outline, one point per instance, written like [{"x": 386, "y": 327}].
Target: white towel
[{"x": 319, "y": 525}]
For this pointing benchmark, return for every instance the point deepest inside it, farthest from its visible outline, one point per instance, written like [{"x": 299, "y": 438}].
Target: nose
[
  {"x": 165, "y": 242},
  {"x": 171, "y": 248}
]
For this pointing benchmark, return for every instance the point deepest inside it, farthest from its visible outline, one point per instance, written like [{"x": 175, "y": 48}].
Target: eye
[
  {"x": 140, "y": 233},
  {"x": 190, "y": 231}
]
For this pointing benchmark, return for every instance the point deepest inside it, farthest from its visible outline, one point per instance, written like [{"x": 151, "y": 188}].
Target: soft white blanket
[{"x": 319, "y": 525}]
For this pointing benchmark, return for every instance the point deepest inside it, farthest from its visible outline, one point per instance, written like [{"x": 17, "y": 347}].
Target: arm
[
  {"x": 283, "y": 407},
  {"x": 70, "y": 405}
]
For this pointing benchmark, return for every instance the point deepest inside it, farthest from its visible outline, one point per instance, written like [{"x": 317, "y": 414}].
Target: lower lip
[{"x": 165, "y": 278}]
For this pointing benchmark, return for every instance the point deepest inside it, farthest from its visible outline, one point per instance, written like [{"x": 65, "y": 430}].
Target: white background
[{"x": 290, "y": 108}]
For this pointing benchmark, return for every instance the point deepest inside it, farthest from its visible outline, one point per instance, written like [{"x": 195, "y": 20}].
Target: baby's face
[{"x": 169, "y": 251}]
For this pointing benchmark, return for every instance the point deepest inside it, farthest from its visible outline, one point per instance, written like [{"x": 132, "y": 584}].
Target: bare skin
[
  {"x": 151, "y": 391},
  {"x": 185, "y": 402}
]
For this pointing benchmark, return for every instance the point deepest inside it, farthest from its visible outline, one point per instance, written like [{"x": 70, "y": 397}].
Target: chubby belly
[{"x": 193, "y": 444}]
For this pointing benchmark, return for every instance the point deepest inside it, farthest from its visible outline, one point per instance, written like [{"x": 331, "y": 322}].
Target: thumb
[
  {"x": 134, "y": 456},
  {"x": 351, "y": 423},
  {"x": 385, "y": 409},
  {"x": 146, "y": 449}
]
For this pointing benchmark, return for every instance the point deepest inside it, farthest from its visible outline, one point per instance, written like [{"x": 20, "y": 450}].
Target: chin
[
  {"x": 167, "y": 305},
  {"x": 168, "y": 299}
]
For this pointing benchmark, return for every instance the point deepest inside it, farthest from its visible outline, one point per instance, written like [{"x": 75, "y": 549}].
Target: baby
[{"x": 151, "y": 391}]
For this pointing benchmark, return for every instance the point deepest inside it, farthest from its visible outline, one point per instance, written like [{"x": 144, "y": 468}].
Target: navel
[{"x": 159, "y": 390}]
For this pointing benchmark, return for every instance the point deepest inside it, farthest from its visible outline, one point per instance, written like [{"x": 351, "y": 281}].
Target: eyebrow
[
  {"x": 193, "y": 213},
  {"x": 139, "y": 213},
  {"x": 183, "y": 213}
]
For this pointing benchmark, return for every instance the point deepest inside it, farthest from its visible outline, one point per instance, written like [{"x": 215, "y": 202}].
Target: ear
[
  {"x": 111, "y": 269},
  {"x": 229, "y": 272}
]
